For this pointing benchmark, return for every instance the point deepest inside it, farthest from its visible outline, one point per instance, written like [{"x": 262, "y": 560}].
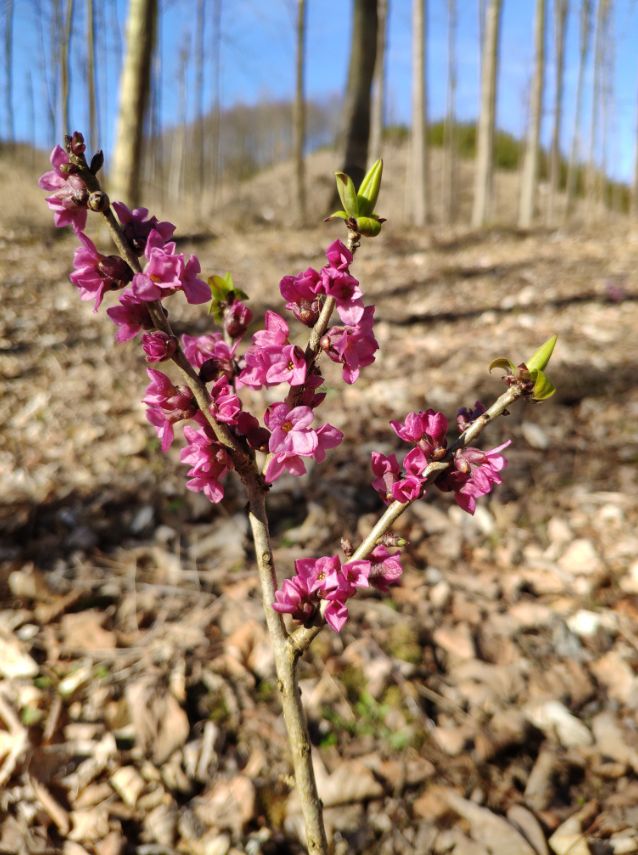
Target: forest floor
[{"x": 488, "y": 704}]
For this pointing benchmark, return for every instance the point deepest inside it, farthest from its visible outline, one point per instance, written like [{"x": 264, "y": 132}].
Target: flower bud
[
  {"x": 209, "y": 370},
  {"x": 98, "y": 201},
  {"x": 158, "y": 346},
  {"x": 116, "y": 269}
]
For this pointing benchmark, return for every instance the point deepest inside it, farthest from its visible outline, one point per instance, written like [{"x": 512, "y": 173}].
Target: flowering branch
[{"x": 221, "y": 435}]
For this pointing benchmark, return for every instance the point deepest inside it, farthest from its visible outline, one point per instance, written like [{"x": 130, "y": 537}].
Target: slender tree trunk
[
  {"x": 90, "y": 83},
  {"x": 133, "y": 100},
  {"x": 634, "y": 189},
  {"x": 200, "y": 177},
  {"x": 606, "y": 108},
  {"x": 178, "y": 153},
  {"x": 419, "y": 182},
  {"x": 299, "y": 118},
  {"x": 572, "y": 170},
  {"x": 484, "y": 169},
  {"x": 64, "y": 59},
  {"x": 355, "y": 128},
  {"x": 378, "y": 98},
  {"x": 595, "y": 108},
  {"x": 529, "y": 184},
  {"x": 8, "y": 70},
  {"x": 216, "y": 149},
  {"x": 449, "y": 184},
  {"x": 561, "y": 10}
]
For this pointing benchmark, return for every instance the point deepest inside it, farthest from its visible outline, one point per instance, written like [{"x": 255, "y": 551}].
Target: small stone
[
  {"x": 558, "y": 531},
  {"x": 553, "y": 718},
  {"x": 457, "y": 641},
  {"x": 586, "y": 623},
  {"x": 535, "y": 436},
  {"x": 581, "y": 557},
  {"x": 629, "y": 582},
  {"x": 529, "y": 826},
  {"x": 440, "y": 595}
]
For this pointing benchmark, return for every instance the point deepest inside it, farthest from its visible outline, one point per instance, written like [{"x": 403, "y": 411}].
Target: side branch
[{"x": 302, "y": 637}]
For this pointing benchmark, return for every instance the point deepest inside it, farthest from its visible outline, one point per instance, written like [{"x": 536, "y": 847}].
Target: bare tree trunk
[
  {"x": 585, "y": 31},
  {"x": 90, "y": 83},
  {"x": 64, "y": 59},
  {"x": 178, "y": 152},
  {"x": 355, "y": 128},
  {"x": 634, "y": 189},
  {"x": 606, "y": 107},
  {"x": 133, "y": 100},
  {"x": 378, "y": 98},
  {"x": 8, "y": 69},
  {"x": 595, "y": 108},
  {"x": 216, "y": 151},
  {"x": 419, "y": 183},
  {"x": 483, "y": 178},
  {"x": 199, "y": 183},
  {"x": 299, "y": 118},
  {"x": 561, "y": 10},
  {"x": 529, "y": 183},
  {"x": 449, "y": 186}
]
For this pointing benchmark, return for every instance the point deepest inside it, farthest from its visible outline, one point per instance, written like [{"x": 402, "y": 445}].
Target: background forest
[{"x": 488, "y": 704}]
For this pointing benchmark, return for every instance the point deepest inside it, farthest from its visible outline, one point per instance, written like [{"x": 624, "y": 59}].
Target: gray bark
[
  {"x": 418, "y": 176},
  {"x": 299, "y": 118},
  {"x": 133, "y": 100},
  {"x": 585, "y": 32},
  {"x": 483, "y": 178},
  {"x": 529, "y": 183},
  {"x": 561, "y": 10},
  {"x": 378, "y": 99}
]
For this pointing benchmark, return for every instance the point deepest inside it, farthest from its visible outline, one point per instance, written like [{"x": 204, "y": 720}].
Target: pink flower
[
  {"x": 166, "y": 405},
  {"x": 137, "y": 227},
  {"x": 319, "y": 579},
  {"x": 293, "y": 439},
  {"x": 319, "y": 575},
  {"x": 195, "y": 290},
  {"x": 225, "y": 405},
  {"x": 427, "y": 429},
  {"x": 158, "y": 346},
  {"x": 211, "y": 350},
  {"x": 385, "y": 568},
  {"x": 476, "y": 472},
  {"x": 95, "y": 274},
  {"x": 353, "y": 346},
  {"x": 208, "y": 460},
  {"x": 338, "y": 255},
  {"x": 295, "y": 599},
  {"x": 131, "y": 316},
  {"x": 272, "y": 359},
  {"x": 300, "y": 293},
  {"x": 70, "y": 195},
  {"x": 386, "y": 470}
]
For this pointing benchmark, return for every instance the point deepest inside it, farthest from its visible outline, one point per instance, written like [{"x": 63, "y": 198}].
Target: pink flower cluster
[
  {"x": 69, "y": 197},
  {"x": 353, "y": 345},
  {"x": 292, "y": 439},
  {"x": 474, "y": 472},
  {"x": 325, "y": 584}
]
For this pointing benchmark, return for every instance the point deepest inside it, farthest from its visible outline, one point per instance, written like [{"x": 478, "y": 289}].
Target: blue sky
[{"x": 257, "y": 61}]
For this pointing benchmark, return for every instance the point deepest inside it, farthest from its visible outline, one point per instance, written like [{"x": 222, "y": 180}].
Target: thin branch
[{"x": 302, "y": 637}]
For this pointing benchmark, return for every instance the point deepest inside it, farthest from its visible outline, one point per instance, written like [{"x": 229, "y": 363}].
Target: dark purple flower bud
[
  {"x": 466, "y": 416},
  {"x": 75, "y": 144},
  {"x": 209, "y": 370},
  {"x": 236, "y": 319},
  {"x": 116, "y": 269}
]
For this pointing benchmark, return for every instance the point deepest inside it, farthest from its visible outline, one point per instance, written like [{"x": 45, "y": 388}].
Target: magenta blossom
[
  {"x": 319, "y": 579},
  {"x": 158, "y": 346},
  {"x": 385, "y": 568},
  {"x": 94, "y": 274},
  {"x": 272, "y": 359},
  {"x": 225, "y": 406},
  {"x": 338, "y": 255},
  {"x": 137, "y": 227},
  {"x": 210, "y": 350},
  {"x": 293, "y": 439},
  {"x": 70, "y": 195},
  {"x": 388, "y": 481},
  {"x": 475, "y": 473},
  {"x": 427, "y": 429},
  {"x": 130, "y": 316},
  {"x": 209, "y": 462},
  {"x": 300, "y": 293},
  {"x": 166, "y": 405},
  {"x": 353, "y": 346}
]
